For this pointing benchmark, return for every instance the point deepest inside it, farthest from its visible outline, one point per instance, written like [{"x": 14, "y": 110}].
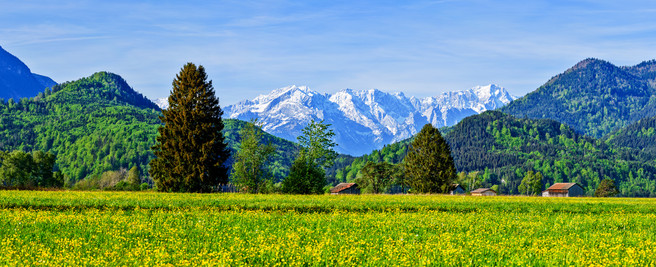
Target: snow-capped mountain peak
[
  {"x": 162, "y": 103},
  {"x": 486, "y": 92},
  {"x": 364, "y": 120}
]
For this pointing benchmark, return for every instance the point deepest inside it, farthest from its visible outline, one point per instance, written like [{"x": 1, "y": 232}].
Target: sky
[{"x": 248, "y": 48}]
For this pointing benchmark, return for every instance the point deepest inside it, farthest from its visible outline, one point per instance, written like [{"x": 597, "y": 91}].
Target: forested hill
[
  {"x": 92, "y": 125},
  {"x": 640, "y": 136},
  {"x": 96, "y": 124},
  {"x": 594, "y": 97},
  {"x": 102, "y": 88},
  {"x": 506, "y": 148},
  {"x": 502, "y": 148}
]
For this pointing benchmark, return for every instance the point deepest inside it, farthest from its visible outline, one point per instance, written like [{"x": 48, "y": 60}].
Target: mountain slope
[
  {"x": 364, "y": 120},
  {"x": 96, "y": 124},
  {"x": 640, "y": 135},
  {"x": 594, "y": 97},
  {"x": 16, "y": 79}
]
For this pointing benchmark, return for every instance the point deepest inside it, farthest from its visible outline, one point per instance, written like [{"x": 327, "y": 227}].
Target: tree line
[{"x": 23, "y": 170}]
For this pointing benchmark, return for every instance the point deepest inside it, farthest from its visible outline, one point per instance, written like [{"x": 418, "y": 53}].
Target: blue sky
[{"x": 249, "y": 48}]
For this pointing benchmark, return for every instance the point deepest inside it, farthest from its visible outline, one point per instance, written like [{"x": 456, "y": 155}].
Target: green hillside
[
  {"x": 508, "y": 147},
  {"x": 502, "y": 148},
  {"x": 594, "y": 97},
  {"x": 640, "y": 136},
  {"x": 96, "y": 124}
]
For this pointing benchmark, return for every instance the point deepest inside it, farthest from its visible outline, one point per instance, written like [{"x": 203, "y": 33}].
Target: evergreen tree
[
  {"x": 190, "y": 153},
  {"x": 606, "y": 189},
  {"x": 429, "y": 165},
  {"x": 249, "y": 170}
]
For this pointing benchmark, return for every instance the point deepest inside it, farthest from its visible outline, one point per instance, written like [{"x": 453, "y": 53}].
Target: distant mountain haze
[{"x": 16, "y": 79}]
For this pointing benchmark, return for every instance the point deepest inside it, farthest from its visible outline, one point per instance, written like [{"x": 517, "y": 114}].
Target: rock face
[
  {"x": 16, "y": 79},
  {"x": 367, "y": 119}
]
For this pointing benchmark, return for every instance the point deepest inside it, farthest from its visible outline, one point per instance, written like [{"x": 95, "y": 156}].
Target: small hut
[
  {"x": 456, "y": 189},
  {"x": 345, "y": 188},
  {"x": 564, "y": 190},
  {"x": 483, "y": 192}
]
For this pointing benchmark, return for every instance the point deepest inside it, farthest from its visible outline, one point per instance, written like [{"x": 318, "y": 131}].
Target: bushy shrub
[{"x": 144, "y": 186}]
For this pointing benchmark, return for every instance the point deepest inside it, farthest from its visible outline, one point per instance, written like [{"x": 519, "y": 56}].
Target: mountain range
[
  {"x": 17, "y": 80},
  {"x": 591, "y": 122},
  {"x": 364, "y": 119}
]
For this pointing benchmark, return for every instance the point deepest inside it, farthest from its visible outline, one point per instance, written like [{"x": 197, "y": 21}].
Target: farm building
[
  {"x": 345, "y": 188},
  {"x": 456, "y": 189},
  {"x": 564, "y": 190},
  {"x": 483, "y": 192}
]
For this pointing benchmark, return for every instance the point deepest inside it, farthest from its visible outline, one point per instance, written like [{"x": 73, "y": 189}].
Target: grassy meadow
[{"x": 145, "y": 228}]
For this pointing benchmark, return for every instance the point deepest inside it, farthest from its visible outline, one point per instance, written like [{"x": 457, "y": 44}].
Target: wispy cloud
[{"x": 421, "y": 47}]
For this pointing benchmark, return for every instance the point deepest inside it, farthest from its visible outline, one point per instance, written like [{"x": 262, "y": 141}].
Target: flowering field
[{"x": 114, "y": 228}]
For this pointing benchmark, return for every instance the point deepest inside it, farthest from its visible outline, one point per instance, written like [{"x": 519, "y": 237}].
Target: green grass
[{"x": 124, "y": 228}]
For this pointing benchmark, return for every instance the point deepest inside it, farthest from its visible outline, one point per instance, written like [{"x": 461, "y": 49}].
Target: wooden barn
[
  {"x": 345, "y": 188},
  {"x": 456, "y": 189},
  {"x": 564, "y": 190},
  {"x": 483, "y": 192}
]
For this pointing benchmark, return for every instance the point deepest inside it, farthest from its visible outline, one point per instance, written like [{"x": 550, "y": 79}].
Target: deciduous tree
[
  {"x": 249, "y": 171},
  {"x": 134, "y": 179},
  {"x": 307, "y": 174},
  {"x": 304, "y": 177},
  {"x": 317, "y": 143},
  {"x": 377, "y": 177},
  {"x": 531, "y": 184}
]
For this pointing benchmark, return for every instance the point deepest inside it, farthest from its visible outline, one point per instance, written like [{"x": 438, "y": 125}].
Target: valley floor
[{"x": 137, "y": 228}]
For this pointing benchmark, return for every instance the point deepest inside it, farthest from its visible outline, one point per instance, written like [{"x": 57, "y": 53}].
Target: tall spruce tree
[
  {"x": 429, "y": 165},
  {"x": 190, "y": 153}
]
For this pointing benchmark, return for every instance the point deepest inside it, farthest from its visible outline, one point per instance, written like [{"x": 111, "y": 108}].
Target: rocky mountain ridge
[{"x": 364, "y": 120}]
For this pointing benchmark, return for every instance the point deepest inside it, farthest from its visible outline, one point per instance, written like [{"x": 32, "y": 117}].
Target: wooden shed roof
[
  {"x": 341, "y": 187},
  {"x": 561, "y": 186},
  {"x": 482, "y": 190},
  {"x": 455, "y": 186}
]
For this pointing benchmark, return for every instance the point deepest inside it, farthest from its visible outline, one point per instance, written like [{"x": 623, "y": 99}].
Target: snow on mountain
[
  {"x": 366, "y": 119},
  {"x": 162, "y": 103}
]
